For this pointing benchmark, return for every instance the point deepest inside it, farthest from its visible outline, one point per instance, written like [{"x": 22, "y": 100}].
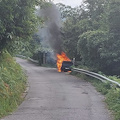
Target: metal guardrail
[
  {"x": 21, "y": 56},
  {"x": 35, "y": 61},
  {"x": 95, "y": 75}
]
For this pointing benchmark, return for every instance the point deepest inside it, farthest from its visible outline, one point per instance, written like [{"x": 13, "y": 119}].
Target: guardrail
[
  {"x": 21, "y": 56},
  {"x": 95, "y": 75},
  {"x": 35, "y": 61}
]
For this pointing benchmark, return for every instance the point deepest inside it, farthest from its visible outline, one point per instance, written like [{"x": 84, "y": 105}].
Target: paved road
[{"x": 58, "y": 96}]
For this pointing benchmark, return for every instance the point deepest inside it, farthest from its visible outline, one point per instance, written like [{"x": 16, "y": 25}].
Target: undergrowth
[
  {"x": 111, "y": 92},
  {"x": 12, "y": 84}
]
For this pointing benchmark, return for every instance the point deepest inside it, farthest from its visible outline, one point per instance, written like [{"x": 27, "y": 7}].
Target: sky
[{"x": 72, "y": 3}]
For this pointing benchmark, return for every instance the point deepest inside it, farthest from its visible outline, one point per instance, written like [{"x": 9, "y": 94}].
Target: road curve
[{"x": 58, "y": 96}]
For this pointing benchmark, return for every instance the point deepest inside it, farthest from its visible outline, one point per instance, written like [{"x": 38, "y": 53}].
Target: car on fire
[{"x": 66, "y": 66}]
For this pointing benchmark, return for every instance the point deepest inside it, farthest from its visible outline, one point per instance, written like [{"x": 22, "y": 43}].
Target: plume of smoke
[{"x": 50, "y": 33}]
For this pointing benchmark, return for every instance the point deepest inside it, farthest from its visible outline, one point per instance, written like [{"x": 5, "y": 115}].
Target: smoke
[{"x": 50, "y": 33}]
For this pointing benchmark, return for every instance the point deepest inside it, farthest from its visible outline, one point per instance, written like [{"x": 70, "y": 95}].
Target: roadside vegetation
[
  {"x": 110, "y": 91},
  {"x": 92, "y": 31},
  {"x": 12, "y": 84},
  {"x": 18, "y": 24}
]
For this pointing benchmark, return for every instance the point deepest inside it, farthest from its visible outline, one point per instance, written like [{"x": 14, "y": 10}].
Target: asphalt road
[{"x": 58, "y": 96}]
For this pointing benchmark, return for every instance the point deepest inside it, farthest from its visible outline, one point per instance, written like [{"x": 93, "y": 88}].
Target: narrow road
[{"x": 58, "y": 96}]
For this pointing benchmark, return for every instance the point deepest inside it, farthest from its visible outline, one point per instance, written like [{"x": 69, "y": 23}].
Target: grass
[
  {"x": 12, "y": 84},
  {"x": 110, "y": 91}
]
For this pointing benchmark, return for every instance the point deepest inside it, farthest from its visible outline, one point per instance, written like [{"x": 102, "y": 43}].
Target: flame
[{"x": 60, "y": 58}]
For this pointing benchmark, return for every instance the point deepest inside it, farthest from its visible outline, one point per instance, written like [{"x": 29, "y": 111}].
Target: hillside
[{"x": 12, "y": 83}]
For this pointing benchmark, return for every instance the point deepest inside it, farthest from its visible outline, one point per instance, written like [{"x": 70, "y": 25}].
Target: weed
[{"x": 12, "y": 84}]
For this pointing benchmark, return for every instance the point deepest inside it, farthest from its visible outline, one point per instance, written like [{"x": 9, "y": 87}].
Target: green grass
[
  {"x": 110, "y": 91},
  {"x": 12, "y": 84}
]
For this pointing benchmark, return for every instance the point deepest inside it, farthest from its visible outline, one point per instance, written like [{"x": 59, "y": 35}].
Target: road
[{"x": 58, "y": 96}]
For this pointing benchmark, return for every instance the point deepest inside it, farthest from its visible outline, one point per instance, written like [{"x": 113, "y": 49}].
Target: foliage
[
  {"x": 114, "y": 17},
  {"x": 112, "y": 50},
  {"x": 113, "y": 101},
  {"x": 31, "y": 47},
  {"x": 70, "y": 38},
  {"x": 93, "y": 34},
  {"x": 115, "y": 78},
  {"x": 68, "y": 11},
  {"x": 87, "y": 17},
  {"x": 70, "y": 30},
  {"x": 18, "y": 21},
  {"x": 90, "y": 47},
  {"x": 12, "y": 84}
]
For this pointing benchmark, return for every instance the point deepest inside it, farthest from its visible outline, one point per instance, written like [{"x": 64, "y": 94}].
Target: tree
[
  {"x": 112, "y": 49},
  {"x": 17, "y": 21},
  {"x": 114, "y": 18},
  {"x": 101, "y": 50},
  {"x": 70, "y": 38},
  {"x": 90, "y": 46},
  {"x": 70, "y": 33},
  {"x": 94, "y": 35},
  {"x": 87, "y": 17}
]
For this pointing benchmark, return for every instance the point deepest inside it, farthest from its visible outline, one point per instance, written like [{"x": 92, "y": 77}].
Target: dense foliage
[
  {"x": 18, "y": 22},
  {"x": 92, "y": 30}
]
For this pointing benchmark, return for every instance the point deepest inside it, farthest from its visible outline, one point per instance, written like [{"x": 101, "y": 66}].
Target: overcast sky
[{"x": 72, "y": 3}]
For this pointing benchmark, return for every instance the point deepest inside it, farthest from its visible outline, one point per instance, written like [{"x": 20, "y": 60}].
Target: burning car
[
  {"x": 63, "y": 62},
  {"x": 66, "y": 66}
]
